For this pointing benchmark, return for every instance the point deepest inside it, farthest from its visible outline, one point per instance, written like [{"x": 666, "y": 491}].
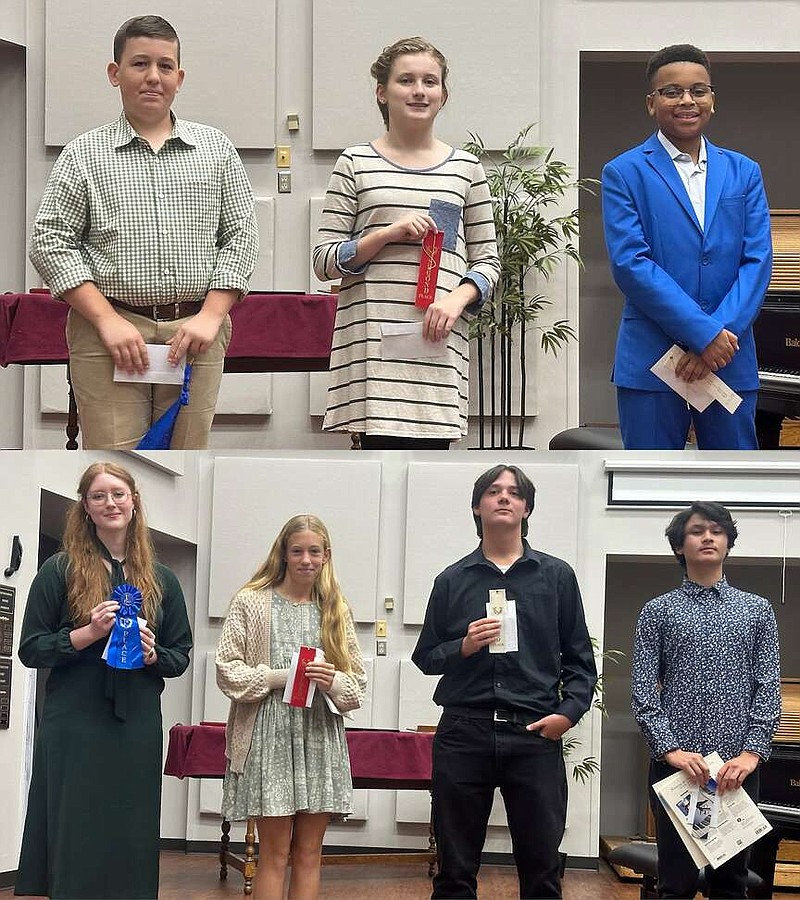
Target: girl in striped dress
[{"x": 382, "y": 198}]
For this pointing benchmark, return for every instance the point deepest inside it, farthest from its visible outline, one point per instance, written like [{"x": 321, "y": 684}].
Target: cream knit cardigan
[{"x": 244, "y": 674}]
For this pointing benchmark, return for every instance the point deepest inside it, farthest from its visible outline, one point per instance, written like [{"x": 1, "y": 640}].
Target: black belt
[
  {"x": 496, "y": 715},
  {"x": 161, "y": 312}
]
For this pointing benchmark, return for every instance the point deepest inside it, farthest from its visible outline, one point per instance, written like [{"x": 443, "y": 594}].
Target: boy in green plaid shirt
[{"x": 147, "y": 230}]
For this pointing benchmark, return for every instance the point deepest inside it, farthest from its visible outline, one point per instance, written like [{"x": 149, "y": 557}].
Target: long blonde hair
[
  {"x": 325, "y": 592},
  {"x": 87, "y": 577}
]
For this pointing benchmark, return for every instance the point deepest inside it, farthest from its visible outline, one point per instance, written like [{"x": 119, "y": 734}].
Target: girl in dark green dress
[{"x": 93, "y": 817}]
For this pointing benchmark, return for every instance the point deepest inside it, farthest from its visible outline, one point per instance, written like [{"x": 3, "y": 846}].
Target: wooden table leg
[
  {"x": 72, "y": 417},
  {"x": 433, "y": 864},
  {"x": 223, "y": 850},
  {"x": 249, "y": 856}
]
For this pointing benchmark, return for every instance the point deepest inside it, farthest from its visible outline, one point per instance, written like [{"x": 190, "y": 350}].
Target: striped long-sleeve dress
[{"x": 419, "y": 398}]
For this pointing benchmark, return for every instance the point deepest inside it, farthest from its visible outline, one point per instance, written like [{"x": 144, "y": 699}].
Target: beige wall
[{"x": 12, "y": 21}]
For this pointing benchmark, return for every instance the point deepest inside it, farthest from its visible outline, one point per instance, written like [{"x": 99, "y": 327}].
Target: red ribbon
[
  {"x": 301, "y": 684},
  {"x": 429, "y": 260}
]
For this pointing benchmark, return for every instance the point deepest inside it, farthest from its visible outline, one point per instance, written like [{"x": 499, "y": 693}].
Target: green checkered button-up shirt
[{"x": 147, "y": 227}]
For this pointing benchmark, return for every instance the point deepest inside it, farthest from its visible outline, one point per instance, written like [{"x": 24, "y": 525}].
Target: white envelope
[
  {"x": 508, "y": 628},
  {"x": 404, "y": 340},
  {"x": 159, "y": 370},
  {"x": 700, "y": 394}
]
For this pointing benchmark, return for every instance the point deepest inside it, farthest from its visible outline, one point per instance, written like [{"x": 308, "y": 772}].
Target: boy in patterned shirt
[
  {"x": 705, "y": 677},
  {"x": 147, "y": 230}
]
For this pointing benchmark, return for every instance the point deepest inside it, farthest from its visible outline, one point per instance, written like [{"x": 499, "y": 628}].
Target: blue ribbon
[{"x": 125, "y": 647}]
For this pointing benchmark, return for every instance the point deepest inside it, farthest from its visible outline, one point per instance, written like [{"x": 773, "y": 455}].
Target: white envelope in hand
[{"x": 158, "y": 372}]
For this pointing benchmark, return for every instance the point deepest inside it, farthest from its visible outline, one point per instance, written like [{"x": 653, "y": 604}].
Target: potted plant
[
  {"x": 527, "y": 186},
  {"x": 584, "y": 769}
]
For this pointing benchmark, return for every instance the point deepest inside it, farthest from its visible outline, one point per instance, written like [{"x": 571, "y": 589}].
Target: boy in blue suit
[{"x": 687, "y": 230}]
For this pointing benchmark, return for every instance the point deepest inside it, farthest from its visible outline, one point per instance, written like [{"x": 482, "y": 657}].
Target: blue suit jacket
[{"x": 682, "y": 284}]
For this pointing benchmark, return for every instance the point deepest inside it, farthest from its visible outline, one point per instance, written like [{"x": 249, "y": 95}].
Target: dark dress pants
[
  {"x": 678, "y": 876},
  {"x": 471, "y": 757}
]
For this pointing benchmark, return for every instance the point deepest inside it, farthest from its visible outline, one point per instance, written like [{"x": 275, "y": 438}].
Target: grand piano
[
  {"x": 777, "y": 333},
  {"x": 780, "y": 787}
]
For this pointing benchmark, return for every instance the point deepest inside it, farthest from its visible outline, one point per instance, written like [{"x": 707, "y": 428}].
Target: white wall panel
[
  {"x": 315, "y": 206},
  {"x": 317, "y": 393},
  {"x": 486, "y": 96},
  {"x": 263, "y": 277},
  {"x": 440, "y": 528},
  {"x": 12, "y": 21},
  {"x": 253, "y": 498},
  {"x": 226, "y": 47}
]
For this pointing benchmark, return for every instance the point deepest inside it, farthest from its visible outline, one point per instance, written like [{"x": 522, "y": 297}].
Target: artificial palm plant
[
  {"x": 583, "y": 769},
  {"x": 527, "y": 186}
]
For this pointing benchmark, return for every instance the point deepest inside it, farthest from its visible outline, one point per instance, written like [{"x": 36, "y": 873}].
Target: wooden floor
[{"x": 195, "y": 875}]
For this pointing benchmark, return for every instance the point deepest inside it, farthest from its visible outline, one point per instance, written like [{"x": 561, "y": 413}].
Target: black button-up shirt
[{"x": 552, "y": 672}]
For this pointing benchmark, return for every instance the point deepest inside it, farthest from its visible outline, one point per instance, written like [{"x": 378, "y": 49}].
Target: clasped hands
[
  {"x": 693, "y": 366},
  {"x": 730, "y": 776},
  {"x": 126, "y": 345}
]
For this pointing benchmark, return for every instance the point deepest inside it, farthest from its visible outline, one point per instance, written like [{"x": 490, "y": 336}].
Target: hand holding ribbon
[{"x": 124, "y": 649}]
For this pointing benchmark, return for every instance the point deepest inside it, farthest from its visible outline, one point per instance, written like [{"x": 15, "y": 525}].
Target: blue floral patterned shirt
[{"x": 706, "y": 671}]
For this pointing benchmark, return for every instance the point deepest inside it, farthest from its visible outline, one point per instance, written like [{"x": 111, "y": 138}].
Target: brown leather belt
[{"x": 161, "y": 312}]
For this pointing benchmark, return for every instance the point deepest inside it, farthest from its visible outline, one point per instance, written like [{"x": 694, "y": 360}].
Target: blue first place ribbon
[{"x": 125, "y": 646}]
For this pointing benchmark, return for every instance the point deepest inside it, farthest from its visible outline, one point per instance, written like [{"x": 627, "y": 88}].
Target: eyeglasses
[
  {"x": 673, "y": 93},
  {"x": 98, "y": 497}
]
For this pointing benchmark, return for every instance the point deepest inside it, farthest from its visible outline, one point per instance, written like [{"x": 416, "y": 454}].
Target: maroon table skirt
[
  {"x": 378, "y": 759},
  {"x": 271, "y": 332}
]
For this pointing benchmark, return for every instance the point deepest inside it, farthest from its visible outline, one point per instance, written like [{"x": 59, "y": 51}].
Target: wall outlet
[
  {"x": 284, "y": 182},
  {"x": 380, "y": 647}
]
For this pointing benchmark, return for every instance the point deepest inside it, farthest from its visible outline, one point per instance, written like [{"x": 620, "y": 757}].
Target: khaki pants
[{"x": 115, "y": 415}]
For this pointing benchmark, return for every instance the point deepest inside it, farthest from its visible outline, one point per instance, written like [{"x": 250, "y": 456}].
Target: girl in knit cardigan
[{"x": 288, "y": 766}]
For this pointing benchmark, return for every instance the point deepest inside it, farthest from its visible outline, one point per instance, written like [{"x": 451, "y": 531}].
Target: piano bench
[
  {"x": 588, "y": 437},
  {"x": 642, "y": 857}
]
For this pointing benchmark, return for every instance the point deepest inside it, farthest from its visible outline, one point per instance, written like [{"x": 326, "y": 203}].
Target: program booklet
[{"x": 713, "y": 826}]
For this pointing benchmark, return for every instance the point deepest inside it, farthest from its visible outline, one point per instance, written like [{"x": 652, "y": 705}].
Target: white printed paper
[
  {"x": 404, "y": 340},
  {"x": 714, "y": 827},
  {"x": 159, "y": 371},
  {"x": 701, "y": 393}
]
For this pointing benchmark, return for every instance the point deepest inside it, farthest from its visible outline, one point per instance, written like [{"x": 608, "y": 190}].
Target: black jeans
[
  {"x": 678, "y": 876},
  {"x": 471, "y": 757}
]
